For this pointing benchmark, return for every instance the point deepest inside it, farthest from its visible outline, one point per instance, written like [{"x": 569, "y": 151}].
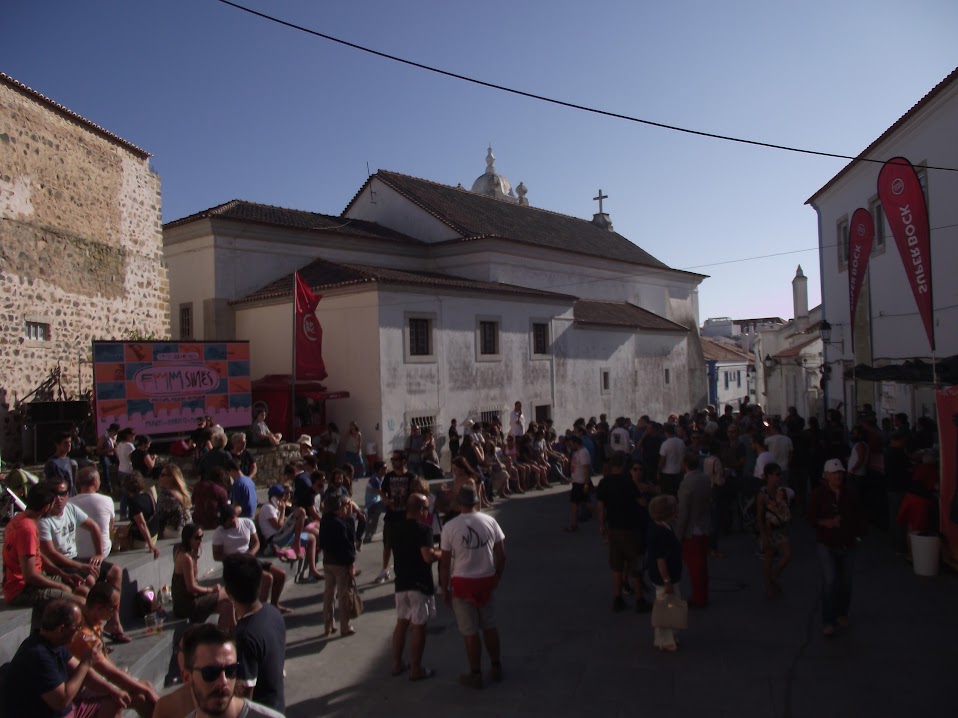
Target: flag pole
[{"x": 292, "y": 383}]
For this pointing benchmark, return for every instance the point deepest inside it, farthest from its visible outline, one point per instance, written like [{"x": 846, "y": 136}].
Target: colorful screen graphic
[{"x": 163, "y": 387}]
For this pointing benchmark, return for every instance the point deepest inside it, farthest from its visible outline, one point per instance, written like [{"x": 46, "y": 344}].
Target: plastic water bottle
[{"x": 166, "y": 597}]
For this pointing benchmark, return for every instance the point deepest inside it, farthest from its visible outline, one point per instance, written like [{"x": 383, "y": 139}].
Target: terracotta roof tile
[
  {"x": 474, "y": 216},
  {"x": 720, "y": 351},
  {"x": 621, "y": 314},
  {"x": 70, "y": 114},
  {"x": 322, "y": 275},
  {"x": 254, "y": 213}
]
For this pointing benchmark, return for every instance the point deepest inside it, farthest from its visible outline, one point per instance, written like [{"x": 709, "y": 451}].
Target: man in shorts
[
  {"x": 581, "y": 481},
  {"x": 415, "y": 601},
  {"x": 470, "y": 568},
  {"x": 23, "y": 581}
]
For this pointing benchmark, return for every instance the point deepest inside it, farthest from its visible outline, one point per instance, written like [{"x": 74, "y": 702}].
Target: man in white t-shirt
[
  {"x": 98, "y": 508},
  {"x": 781, "y": 448},
  {"x": 517, "y": 422},
  {"x": 59, "y": 534},
  {"x": 237, "y": 534},
  {"x": 671, "y": 454},
  {"x": 619, "y": 437},
  {"x": 470, "y": 568},
  {"x": 581, "y": 470}
]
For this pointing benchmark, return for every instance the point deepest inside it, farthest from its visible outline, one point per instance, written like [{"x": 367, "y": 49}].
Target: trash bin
[{"x": 925, "y": 553}]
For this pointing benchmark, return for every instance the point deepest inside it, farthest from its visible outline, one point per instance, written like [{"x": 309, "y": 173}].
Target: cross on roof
[{"x": 600, "y": 198}]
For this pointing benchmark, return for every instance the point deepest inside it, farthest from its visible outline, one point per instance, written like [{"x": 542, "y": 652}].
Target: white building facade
[
  {"x": 888, "y": 328},
  {"x": 441, "y": 303}
]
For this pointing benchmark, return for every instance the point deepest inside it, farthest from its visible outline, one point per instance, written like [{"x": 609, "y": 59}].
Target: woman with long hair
[
  {"x": 191, "y": 600},
  {"x": 773, "y": 516},
  {"x": 174, "y": 507}
]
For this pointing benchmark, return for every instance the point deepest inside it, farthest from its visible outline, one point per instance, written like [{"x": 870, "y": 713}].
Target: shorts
[
  {"x": 415, "y": 607},
  {"x": 286, "y": 540},
  {"x": 105, "y": 568},
  {"x": 387, "y": 532},
  {"x": 471, "y": 619},
  {"x": 625, "y": 549},
  {"x": 578, "y": 495},
  {"x": 32, "y": 595}
]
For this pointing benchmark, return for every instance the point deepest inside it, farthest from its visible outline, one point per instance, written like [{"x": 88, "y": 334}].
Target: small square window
[
  {"x": 668, "y": 376},
  {"x": 38, "y": 331},
  {"x": 605, "y": 381}
]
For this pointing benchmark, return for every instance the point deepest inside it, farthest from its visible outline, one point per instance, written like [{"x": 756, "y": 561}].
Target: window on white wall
[
  {"x": 419, "y": 343},
  {"x": 186, "y": 321},
  {"x": 841, "y": 239},
  {"x": 881, "y": 226},
  {"x": 668, "y": 376},
  {"x": 605, "y": 381},
  {"x": 738, "y": 377},
  {"x": 540, "y": 339},
  {"x": 488, "y": 341}
]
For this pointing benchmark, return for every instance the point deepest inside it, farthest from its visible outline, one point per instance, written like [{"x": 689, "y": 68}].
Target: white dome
[{"x": 491, "y": 183}]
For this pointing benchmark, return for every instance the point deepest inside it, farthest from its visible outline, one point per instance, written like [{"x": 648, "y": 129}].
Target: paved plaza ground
[{"x": 566, "y": 653}]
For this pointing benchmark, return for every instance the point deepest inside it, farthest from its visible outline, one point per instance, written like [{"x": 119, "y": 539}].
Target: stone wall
[
  {"x": 269, "y": 464},
  {"x": 81, "y": 246}
]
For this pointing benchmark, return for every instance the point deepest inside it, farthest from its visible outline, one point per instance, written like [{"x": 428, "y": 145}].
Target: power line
[{"x": 551, "y": 100}]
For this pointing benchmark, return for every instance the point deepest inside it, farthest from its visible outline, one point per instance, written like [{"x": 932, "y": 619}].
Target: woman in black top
[
  {"x": 338, "y": 540},
  {"x": 142, "y": 513},
  {"x": 664, "y": 560}
]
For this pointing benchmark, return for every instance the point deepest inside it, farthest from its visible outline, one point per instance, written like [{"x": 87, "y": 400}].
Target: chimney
[
  {"x": 602, "y": 221},
  {"x": 800, "y": 295}
]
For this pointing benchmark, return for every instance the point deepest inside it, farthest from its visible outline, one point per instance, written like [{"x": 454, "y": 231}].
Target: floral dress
[
  {"x": 170, "y": 512},
  {"x": 778, "y": 516}
]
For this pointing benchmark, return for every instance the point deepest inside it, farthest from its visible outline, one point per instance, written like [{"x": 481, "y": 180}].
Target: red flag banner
[
  {"x": 861, "y": 234},
  {"x": 309, "y": 334},
  {"x": 904, "y": 204}
]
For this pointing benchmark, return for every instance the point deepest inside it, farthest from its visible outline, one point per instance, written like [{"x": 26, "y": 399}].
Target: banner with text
[
  {"x": 163, "y": 387},
  {"x": 309, "y": 334},
  {"x": 903, "y": 201},
  {"x": 861, "y": 234}
]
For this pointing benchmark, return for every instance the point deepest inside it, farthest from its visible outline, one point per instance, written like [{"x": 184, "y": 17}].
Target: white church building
[{"x": 440, "y": 302}]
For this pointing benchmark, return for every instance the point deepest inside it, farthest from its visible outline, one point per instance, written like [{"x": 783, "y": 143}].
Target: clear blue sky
[{"x": 232, "y": 106}]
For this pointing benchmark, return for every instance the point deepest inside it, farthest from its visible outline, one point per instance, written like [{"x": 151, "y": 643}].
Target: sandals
[{"x": 117, "y": 637}]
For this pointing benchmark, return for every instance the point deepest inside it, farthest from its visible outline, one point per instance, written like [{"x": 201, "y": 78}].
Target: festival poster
[
  {"x": 860, "y": 237},
  {"x": 903, "y": 202},
  {"x": 947, "y": 401},
  {"x": 163, "y": 387}
]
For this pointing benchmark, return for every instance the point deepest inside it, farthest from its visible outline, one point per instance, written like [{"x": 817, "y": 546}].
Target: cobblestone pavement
[{"x": 566, "y": 653}]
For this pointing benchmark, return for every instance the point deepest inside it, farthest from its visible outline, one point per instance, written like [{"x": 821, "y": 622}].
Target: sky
[{"x": 232, "y": 106}]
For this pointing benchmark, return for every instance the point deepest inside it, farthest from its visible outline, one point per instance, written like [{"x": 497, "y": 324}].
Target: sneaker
[
  {"x": 471, "y": 680},
  {"x": 618, "y": 604},
  {"x": 383, "y": 576}
]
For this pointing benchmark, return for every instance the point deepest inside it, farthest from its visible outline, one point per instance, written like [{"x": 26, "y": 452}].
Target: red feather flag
[{"x": 309, "y": 334}]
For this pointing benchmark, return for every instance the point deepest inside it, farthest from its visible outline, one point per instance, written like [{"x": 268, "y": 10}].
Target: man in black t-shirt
[
  {"x": 260, "y": 634},
  {"x": 621, "y": 523},
  {"x": 415, "y": 587},
  {"x": 395, "y": 493}
]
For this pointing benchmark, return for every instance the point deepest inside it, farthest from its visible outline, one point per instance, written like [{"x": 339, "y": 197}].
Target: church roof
[
  {"x": 714, "y": 350},
  {"x": 253, "y": 213},
  {"x": 473, "y": 215},
  {"x": 322, "y": 275},
  {"x": 621, "y": 314}
]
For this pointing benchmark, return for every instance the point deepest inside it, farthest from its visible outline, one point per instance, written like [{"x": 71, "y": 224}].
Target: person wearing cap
[
  {"x": 470, "y": 568},
  {"x": 835, "y": 512},
  {"x": 236, "y": 534}
]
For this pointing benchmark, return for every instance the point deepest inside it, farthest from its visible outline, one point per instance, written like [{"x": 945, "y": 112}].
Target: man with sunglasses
[{"x": 210, "y": 670}]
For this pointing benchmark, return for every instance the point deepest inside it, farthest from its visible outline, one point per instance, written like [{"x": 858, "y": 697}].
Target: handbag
[
  {"x": 670, "y": 612},
  {"x": 354, "y": 602}
]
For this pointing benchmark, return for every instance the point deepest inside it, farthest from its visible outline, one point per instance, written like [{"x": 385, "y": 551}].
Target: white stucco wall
[
  {"x": 383, "y": 205},
  {"x": 897, "y": 332}
]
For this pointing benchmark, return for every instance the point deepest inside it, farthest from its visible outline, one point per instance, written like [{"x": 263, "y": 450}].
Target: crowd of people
[{"x": 667, "y": 494}]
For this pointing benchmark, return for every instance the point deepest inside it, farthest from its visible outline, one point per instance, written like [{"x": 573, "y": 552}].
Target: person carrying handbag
[{"x": 664, "y": 561}]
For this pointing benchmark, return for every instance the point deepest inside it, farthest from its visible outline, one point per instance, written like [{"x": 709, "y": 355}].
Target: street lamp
[
  {"x": 769, "y": 362},
  {"x": 825, "y": 330}
]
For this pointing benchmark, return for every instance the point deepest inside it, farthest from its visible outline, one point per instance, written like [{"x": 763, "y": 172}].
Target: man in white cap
[{"x": 835, "y": 512}]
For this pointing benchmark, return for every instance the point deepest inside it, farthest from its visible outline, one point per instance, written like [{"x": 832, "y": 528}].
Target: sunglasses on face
[
  {"x": 211, "y": 673},
  {"x": 63, "y": 493}
]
